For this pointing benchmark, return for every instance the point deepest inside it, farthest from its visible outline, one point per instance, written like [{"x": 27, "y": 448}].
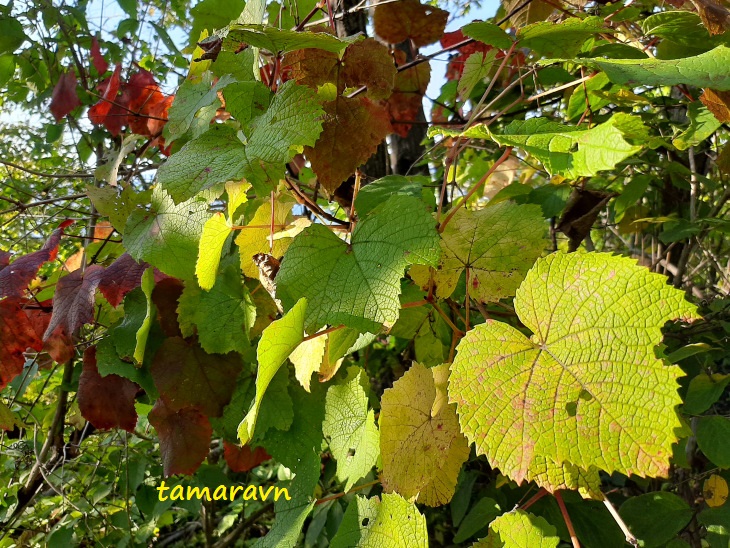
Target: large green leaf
[
  {"x": 358, "y": 284},
  {"x": 586, "y": 390},
  {"x": 292, "y": 121},
  {"x": 167, "y": 235},
  {"x": 277, "y": 342},
  {"x": 570, "y": 151},
  {"x": 708, "y": 69}
]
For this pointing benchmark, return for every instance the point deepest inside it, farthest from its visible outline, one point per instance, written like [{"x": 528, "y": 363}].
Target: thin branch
[{"x": 48, "y": 175}]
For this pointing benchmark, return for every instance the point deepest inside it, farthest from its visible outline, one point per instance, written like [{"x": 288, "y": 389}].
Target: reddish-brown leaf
[
  {"x": 147, "y": 104},
  {"x": 59, "y": 345},
  {"x": 718, "y": 102},
  {"x": 714, "y": 15},
  {"x": 15, "y": 276},
  {"x": 106, "y": 402},
  {"x": 351, "y": 133},
  {"x": 398, "y": 21},
  {"x": 186, "y": 376},
  {"x": 184, "y": 437},
  {"x": 365, "y": 63},
  {"x": 108, "y": 89},
  {"x": 17, "y": 334},
  {"x": 165, "y": 295},
  {"x": 73, "y": 301},
  {"x": 97, "y": 58},
  {"x": 121, "y": 277},
  {"x": 407, "y": 99},
  {"x": 64, "y": 98},
  {"x": 243, "y": 459}
]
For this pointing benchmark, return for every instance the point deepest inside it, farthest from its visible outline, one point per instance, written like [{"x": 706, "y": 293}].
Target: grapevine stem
[
  {"x": 566, "y": 517},
  {"x": 537, "y": 496},
  {"x": 320, "y": 333},
  {"x": 631, "y": 539},
  {"x": 476, "y": 187}
]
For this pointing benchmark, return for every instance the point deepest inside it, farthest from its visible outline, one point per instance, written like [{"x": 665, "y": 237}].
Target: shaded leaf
[
  {"x": 121, "y": 277},
  {"x": 184, "y": 437},
  {"x": 187, "y": 376},
  {"x": 718, "y": 102},
  {"x": 406, "y": 101},
  {"x": 17, "y": 334},
  {"x": 655, "y": 518},
  {"x": 191, "y": 97},
  {"x": 106, "y": 402},
  {"x": 64, "y": 98},
  {"x": 73, "y": 301},
  {"x": 97, "y": 59},
  {"x": 243, "y": 459}
]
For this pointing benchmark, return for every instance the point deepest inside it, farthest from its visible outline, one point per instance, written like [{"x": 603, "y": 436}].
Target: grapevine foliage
[{"x": 515, "y": 325}]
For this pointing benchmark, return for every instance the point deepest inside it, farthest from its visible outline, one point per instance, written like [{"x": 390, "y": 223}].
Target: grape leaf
[
  {"x": 406, "y": 101},
  {"x": 247, "y": 100},
  {"x": 243, "y": 459},
  {"x": 396, "y": 22},
  {"x": 97, "y": 59},
  {"x": 121, "y": 277},
  {"x": 488, "y": 33},
  {"x": 569, "y": 393},
  {"x": 377, "y": 192},
  {"x": 73, "y": 301},
  {"x": 106, "y": 402},
  {"x": 108, "y": 362},
  {"x": 476, "y": 68},
  {"x": 184, "y": 437},
  {"x": 705, "y": 70},
  {"x": 570, "y": 151},
  {"x": 251, "y": 241},
  {"x": 421, "y": 445},
  {"x": 351, "y": 133},
  {"x": 718, "y": 102},
  {"x": 64, "y": 98},
  {"x": 15, "y": 276},
  {"x": 167, "y": 235},
  {"x": 562, "y": 39},
  {"x": 298, "y": 449},
  {"x": 702, "y": 124},
  {"x": 277, "y": 342},
  {"x": 282, "y": 40},
  {"x": 394, "y": 522},
  {"x": 190, "y": 97},
  {"x": 60, "y": 344},
  {"x": 518, "y": 529},
  {"x": 497, "y": 244},
  {"x": 187, "y": 376},
  {"x": 350, "y": 428},
  {"x": 17, "y": 334},
  {"x": 358, "y": 284},
  {"x": 223, "y": 316},
  {"x": 118, "y": 207},
  {"x": 215, "y": 233},
  {"x": 293, "y": 119}
]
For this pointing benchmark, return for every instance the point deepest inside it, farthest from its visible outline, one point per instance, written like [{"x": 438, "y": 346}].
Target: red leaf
[
  {"x": 97, "y": 58},
  {"x": 109, "y": 110},
  {"x": 64, "y": 98},
  {"x": 351, "y": 133},
  {"x": 184, "y": 437},
  {"x": 15, "y": 277},
  {"x": 242, "y": 459},
  {"x": 73, "y": 301},
  {"x": 17, "y": 334},
  {"x": 147, "y": 104},
  {"x": 121, "y": 277},
  {"x": 59, "y": 345},
  {"x": 398, "y": 21},
  {"x": 186, "y": 376},
  {"x": 106, "y": 402}
]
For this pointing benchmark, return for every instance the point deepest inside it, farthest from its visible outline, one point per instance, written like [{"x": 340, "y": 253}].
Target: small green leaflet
[
  {"x": 294, "y": 119},
  {"x": 570, "y": 151},
  {"x": 707, "y": 70},
  {"x": 702, "y": 124},
  {"x": 350, "y": 427},
  {"x": 576, "y": 393},
  {"x": 277, "y": 342},
  {"x": 488, "y": 33},
  {"x": 518, "y": 529},
  {"x": 476, "y": 68},
  {"x": 358, "y": 284},
  {"x": 167, "y": 236},
  {"x": 560, "y": 39},
  {"x": 192, "y": 96}
]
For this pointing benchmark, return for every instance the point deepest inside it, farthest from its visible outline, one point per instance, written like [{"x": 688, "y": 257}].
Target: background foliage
[{"x": 236, "y": 250}]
